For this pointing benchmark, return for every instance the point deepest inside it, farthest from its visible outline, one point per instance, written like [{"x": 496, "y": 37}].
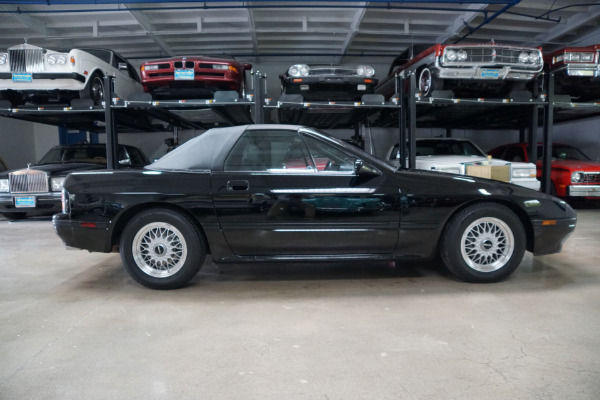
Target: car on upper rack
[
  {"x": 462, "y": 156},
  {"x": 33, "y": 74},
  {"x": 36, "y": 190},
  {"x": 281, "y": 193},
  {"x": 488, "y": 70},
  {"x": 576, "y": 72},
  {"x": 328, "y": 82},
  {"x": 573, "y": 174},
  {"x": 193, "y": 77}
]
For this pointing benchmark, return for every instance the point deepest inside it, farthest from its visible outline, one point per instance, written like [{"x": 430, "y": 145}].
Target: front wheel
[
  {"x": 425, "y": 82},
  {"x": 483, "y": 243},
  {"x": 94, "y": 89},
  {"x": 162, "y": 249}
]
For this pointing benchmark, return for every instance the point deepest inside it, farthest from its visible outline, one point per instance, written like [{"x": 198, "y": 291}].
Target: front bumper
[
  {"x": 79, "y": 234},
  {"x": 485, "y": 73},
  {"x": 549, "y": 239},
  {"x": 44, "y": 81},
  {"x": 533, "y": 184},
  {"x": 583, "y": 191},
  {"x": 45, "y": 203}
]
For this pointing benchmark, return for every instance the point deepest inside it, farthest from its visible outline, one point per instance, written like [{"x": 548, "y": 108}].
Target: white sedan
[
  {"x": 32, "y": 74},
  {"x": 461, "y": 156}
]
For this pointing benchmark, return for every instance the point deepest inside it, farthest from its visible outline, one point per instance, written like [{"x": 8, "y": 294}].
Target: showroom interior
[{"x": 76, "y": 325}]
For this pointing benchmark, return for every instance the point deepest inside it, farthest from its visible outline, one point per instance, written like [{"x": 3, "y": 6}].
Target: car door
[{"x": 283, "y": 193}]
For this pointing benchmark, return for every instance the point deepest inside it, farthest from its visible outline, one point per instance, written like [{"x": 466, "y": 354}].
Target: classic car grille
[
  {"x": 331, "y": 71},
  {"x": 28, "y": 181},
  {"x": 493, "y": 55},
  {"x": 591, "y": 177},
  {"x": 26, "y": 60}
]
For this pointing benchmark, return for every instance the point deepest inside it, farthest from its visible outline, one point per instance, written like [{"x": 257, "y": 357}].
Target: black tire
[
  {"x": 425, "y": 82},
  {"x": 162, "y": 249},
  {"x": 15, "y": 215},
  {"x": 483, "y": 243},
  {"x": 94, "y": 89}
]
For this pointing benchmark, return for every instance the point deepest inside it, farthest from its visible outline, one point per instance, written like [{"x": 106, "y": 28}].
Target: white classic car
[
  {"x": 33, "y": 74},
  {"x": 463, "y": 157}
]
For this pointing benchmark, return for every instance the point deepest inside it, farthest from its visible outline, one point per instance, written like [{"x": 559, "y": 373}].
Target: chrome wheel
[
  {"x": 97, "y": 90},
  {"x": 159, "y": 249},
  {"x": 425, "y": 81},
  {"x": 487, "y": 244}
]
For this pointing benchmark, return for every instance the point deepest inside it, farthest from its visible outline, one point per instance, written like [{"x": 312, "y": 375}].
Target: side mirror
[
  {"x": 362, "y": 169},
  {"x": 125, "y": 161},
  {"x": 122, "y": 67},
  {"x": 247, "y": 66}
]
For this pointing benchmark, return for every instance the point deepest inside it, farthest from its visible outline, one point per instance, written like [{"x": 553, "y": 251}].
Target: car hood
[
  {"x": 575, "y": 165},
  {"x": 60, "y": 169}
]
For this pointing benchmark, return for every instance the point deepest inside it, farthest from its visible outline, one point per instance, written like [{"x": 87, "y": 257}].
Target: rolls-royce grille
[
  {"x": 28, "y": 181},
  {"x": 26, "y": 60}
]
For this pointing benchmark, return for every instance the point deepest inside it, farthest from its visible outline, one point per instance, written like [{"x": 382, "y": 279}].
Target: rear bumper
[{"x": 76, "y": 234}]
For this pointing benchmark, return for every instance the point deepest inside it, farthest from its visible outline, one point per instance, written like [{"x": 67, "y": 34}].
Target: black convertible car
[{"x": 289, "y": 193}]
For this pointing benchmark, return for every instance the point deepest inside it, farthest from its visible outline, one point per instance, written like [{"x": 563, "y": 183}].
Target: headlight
[
  {"x": 57, "y": 183},
  {"x": 299, "y": 70},
  {"x": 523, "y": 57},
  {"x": 3, "y": 58},
  {"x": 4, "y": 185},
  {"x": 448, "y": 170},
  {"x": 587, "y": 57},
  {"x": 365, "y": 70},
  {"x": 577, "y": 177},
  {"x": 575, "y": 57},
  {"x": 450, "y": 55},
  {"x": 462, "y": 55},
  {"x": 220, "y": 66},
  {"x": 149, "y": 67},
  {"x": 60, "y": 59},
  {"x": 534, "y": 57},
  {"x": 523, "y": 173}
]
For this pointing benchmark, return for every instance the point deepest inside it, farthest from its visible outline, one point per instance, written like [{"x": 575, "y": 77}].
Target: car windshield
[
  {"x": 564, "y": 152},
  {"x": 447, "y": 148},
  {"x": 88, "y": 154}
]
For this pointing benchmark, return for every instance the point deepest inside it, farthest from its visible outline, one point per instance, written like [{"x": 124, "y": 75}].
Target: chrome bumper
[{"x": 584, "y": 191}]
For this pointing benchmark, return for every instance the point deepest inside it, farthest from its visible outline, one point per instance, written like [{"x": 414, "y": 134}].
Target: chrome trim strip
[{"x": 325, "y": 191}]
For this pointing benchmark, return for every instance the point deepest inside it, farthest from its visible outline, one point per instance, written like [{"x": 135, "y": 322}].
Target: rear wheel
[
  {"x": 483, "y": 243},
  {"x": 162, "y": 249}
]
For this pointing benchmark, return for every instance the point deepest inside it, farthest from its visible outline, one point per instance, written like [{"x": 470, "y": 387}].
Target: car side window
[
  {"x": 270, "y": 150},
  {"x": 327, "y": 157}
]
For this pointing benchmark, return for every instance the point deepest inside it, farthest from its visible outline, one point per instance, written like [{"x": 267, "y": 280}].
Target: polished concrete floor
[{"x": 73, "y": 325}]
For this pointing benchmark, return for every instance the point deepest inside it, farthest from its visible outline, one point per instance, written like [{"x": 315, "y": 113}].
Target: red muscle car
[
  {"x": 573, "y": 173},
  {"x": 475, "y": 70},
  {"x": 576, "y": 71},
  {"x": 192, "y": 77}
]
